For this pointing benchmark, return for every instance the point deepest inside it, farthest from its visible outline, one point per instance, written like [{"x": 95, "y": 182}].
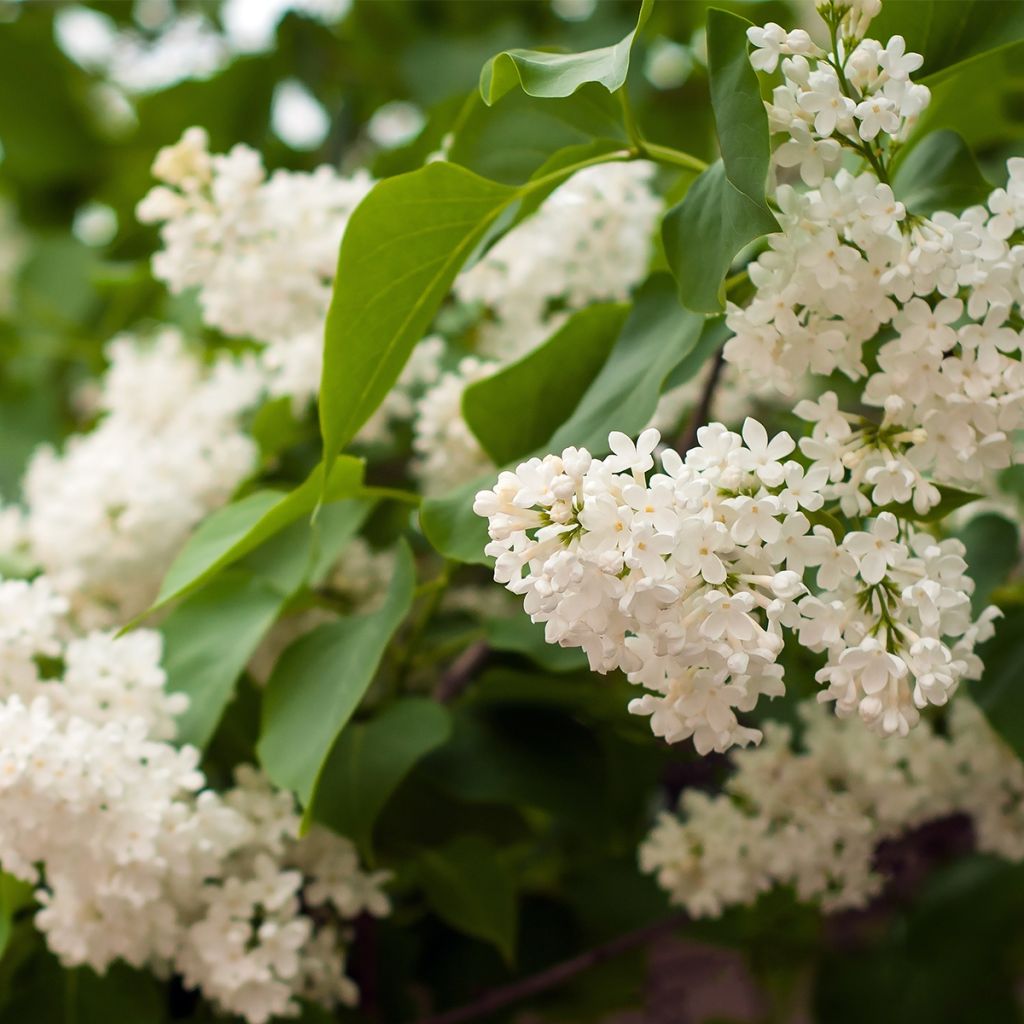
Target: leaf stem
[
  {"x": 668, "y": 155},
  {"x": 629, "y": 120}
]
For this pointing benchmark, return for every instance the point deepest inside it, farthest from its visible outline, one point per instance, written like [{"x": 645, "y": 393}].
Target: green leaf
[
  {"x": 318, "y": 683},
  {"x": 940, "y": 173},
  {"x": 657, "y": 337},
  {"x": 521, "y": 636},
  {"x": 741, "y": 121},
  {"x": 370, "y": 759},
  {"x": 949, "y": 35},
  {"x": 950, "y": 499},
  {"x": 511, "y": 141},
  {"x": 402, "y": 249},
  {"x": 993, "y": 545},
  {"x": 14, "y": 895},
  {"x": 725, "y": 208},
  {"x": 551, "y": 75},
  {"x": 998, "y": 692},
  {"x": 468, "y": 886},
  {"x": 209, "y": 639},
  {"x": 519, "y": 408},
  {"x": 235, "y": 530}
]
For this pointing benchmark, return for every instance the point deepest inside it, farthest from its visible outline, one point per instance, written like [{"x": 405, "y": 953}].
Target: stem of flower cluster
[{"x": 499, "y": 998}]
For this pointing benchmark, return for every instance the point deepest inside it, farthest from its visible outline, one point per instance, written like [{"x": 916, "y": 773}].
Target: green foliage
[
  {"x": 950, "y": 499},
  {"x": 235, "y": 530},
  {"x": 551, "y": 75},
  {"x": 318, "y": 683},
  {"x": 940, "y": 173},
  {"x": 520, "y": 407},
  {"x": 950, "y": 35},
  {"x": 655, "y": 341},
  {"x": 998, "y": 692},
  {"x": 199, "y": 659},
  {"x": 725, "y": 208},
  {"x": 369, "y": 761},
  {"x": 993, "y": 546}
]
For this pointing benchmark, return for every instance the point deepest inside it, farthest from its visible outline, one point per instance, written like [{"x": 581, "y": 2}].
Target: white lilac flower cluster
[
  {"x": 105, "y": 516},
  {"x": 812, "y": 818},
  {"x": 687, "y": 579},
  {"x": 858, "y": 96},
  {"x": 261, "y": 250},
  {"x": 944, "y": 293},
  {"x": 133, "y": 857}
]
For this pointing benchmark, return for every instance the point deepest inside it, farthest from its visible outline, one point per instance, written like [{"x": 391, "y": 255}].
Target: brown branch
[
  {"x": 688, "y": 438},
  {"x": 499, "y": 998},
  {"x": 459, "y": 673}
]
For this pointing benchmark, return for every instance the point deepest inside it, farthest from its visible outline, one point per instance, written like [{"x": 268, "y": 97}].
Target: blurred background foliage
[{"x": 88, "y": 93}]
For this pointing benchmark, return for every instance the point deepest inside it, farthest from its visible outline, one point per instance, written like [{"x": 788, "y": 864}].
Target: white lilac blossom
[
  {"x": 261, "y": 250},
  {"x": 105, "y": 516},
  {"x": 132, "y": 856},
  {"x": 688, "y": 579},
  {"x": 447, "y": 452},
  {"x": 812, "y": 817},
  {"x": 945, "y": 292}
]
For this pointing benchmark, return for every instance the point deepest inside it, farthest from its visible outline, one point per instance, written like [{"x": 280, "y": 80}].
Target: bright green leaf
[
  {"x": 468, "y": 886},
  {"x": 551, "y": 75},
  {"x": 235, "y": 530},
  {"x": 319, "y": 681},
  {"x": 519, "y": 407},
  {"x": 208, "y": 641},
  {"x": 14, "y": 895},
  {"x": 511, "y": 141},
  {"x": 401, "y": 251},
  {"x": 370, "y": 759},
  {"x": 940, "y": 173}
]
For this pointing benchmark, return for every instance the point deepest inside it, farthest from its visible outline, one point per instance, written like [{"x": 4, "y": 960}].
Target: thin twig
[
  {"x": 499, "y": 998},
  {"x": 688, "y": 438},
  {"x": 458, "y": 675}
]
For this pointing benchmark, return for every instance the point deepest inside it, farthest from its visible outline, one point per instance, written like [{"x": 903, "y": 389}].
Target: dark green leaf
[
  {"x": 940, "y": 173},
  {"x": 521, "y": 636},
  {"x": 370, "y": 759},
  {"x": 468, "y": 886},
  {"x": 320, "y": 680},
  {"x": 520, "y": 407},
  {"x": 998, "y": 692},
  {"x": 656, "y": 338},
  {"x": 948, "y": 34},
  {"x": 993, "y": 551},
  {"x": 950, "y": 499},
  {"x": 725, "y": 208},
  {"x": 551, "y": 75}
]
